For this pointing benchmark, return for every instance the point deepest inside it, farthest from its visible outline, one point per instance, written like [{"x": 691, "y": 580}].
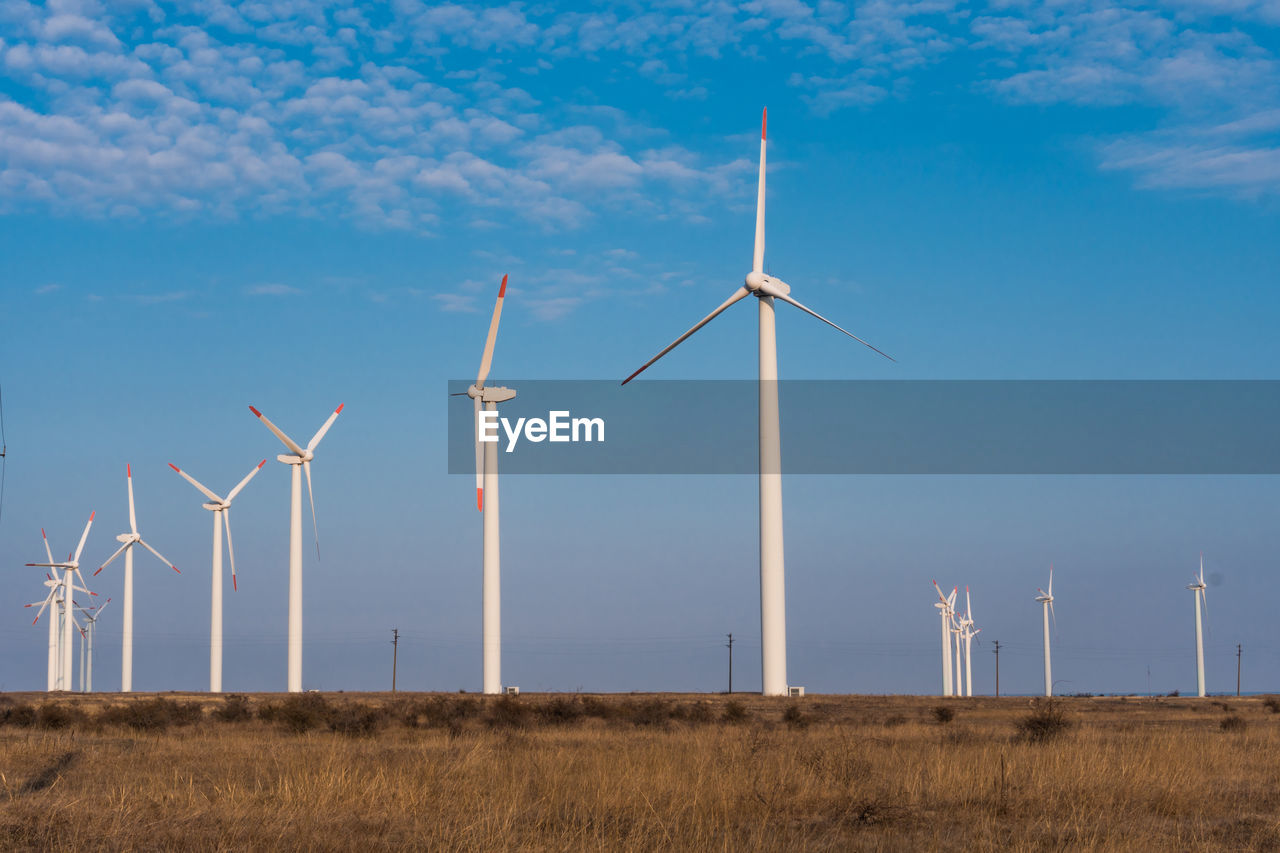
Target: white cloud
[{"x": 272, "y": 289}]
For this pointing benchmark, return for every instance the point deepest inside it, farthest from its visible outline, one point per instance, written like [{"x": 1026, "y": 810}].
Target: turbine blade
[
  {"x": 968, "y": 606},
  {"x": 83, "y": 537},
  {"x": 133, "y": 518},
  {"x": 159, "y": 555},
  {"x": 231, "y": 551},
  {"x": 1054, "y": 617},
  {"x": 1204, "y": 603},
  {"x": 777, "y": 293},
  {"x": 1051, "y": 579},
  {"x": 757, "y": 257},
  {"x": 118, "y": 552},
  {"x": 738, "y": 294},
  {"x": 315, "y": 439},
  {"x": 306, "y": 468},
  {"x": 941, "y": 597},
  {"x": 475, "y": 426},
  {"x": 288, "y": 442},
  {"x": 487, "y": 359},
  {"x": 46, "y": 545},
  {"x": 232, "y": 494},
  {"x": 193, "y": 481}
]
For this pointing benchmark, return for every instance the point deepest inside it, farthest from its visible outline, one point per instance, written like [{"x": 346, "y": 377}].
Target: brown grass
[{"x": 340, "y": 772}]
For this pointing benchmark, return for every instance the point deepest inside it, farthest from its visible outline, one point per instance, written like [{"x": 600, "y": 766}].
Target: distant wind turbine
[
  {"x": 129, "y": 540},
  {"x": 71, "y": 571},
  {"x": 1046, "y": 601},
  {"x": 945, "y": 605},
  {"x": 53, "y": 598},
  {"x": 773, "y": 610},
  {"x": 298, "y": 457},
  {"x": 1197, "y": 588},
  {"x": 967, "y": 633},
  {"x": 221, "y": 509}
]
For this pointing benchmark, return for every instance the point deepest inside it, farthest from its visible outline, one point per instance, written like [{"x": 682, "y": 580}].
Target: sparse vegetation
[
  {"x": 568, "y": 772},
  {"x": 943, "y": 713}
]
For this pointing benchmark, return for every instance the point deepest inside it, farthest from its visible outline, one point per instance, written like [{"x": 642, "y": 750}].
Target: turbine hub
[{"x": 759, "y": 283}]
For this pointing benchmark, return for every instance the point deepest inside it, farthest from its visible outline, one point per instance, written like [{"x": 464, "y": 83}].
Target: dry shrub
[
  {"x": 235, "y": 709},
  {"x": 1233, "y": 723},
  {"x": 697, "y": 712},
  {"x": 1272, "y": 704},
  {"x": 560, "y": 711},
  {"x": 735, "y": 712},
  {"x": 152, "y": 715},
  {"x": 648, "y": 712},
  {"x": 943, "y": 713},
  {"x": 1047, "y": 722},
  {"x": 509, "y": 713},
  {"x": 52, "y": 715},
  {"x": 357, "y": 719},
  {"x": 298, "y": 714},
  {"x": 795, "y": 718},
  {"x": 20, "y": 714},
  {"x": 894, "y": 720}
]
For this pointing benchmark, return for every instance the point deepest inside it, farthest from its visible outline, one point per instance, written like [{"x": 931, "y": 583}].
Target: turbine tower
[
  {"x": 53, "y": 598},
  {"x": 945, "y": 605},
  {"x": 91, "y": 615},
  {"x": 1046, "y": 601},
  {"x": 967, "y": 634},
  {"x": 298, "y": 457},
  {"x": 71, "y": 570},
  {"x": 487, "y": 503},
  {"x": 773, "y": 611},
  {"x": 1197, "y": 590},
  {"x": 129, "y": 540},
  {"x": 221, "y": 509}
]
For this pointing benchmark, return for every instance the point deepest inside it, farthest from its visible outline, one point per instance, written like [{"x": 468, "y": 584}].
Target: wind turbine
[
  {"x": 129, "y": 540},
  {"x": 91, "y": 615},
  {"x": 1046, "y": 601},
  {"x": 298, "y": 457},
  {"x": 1197, "y": 589},
  {"x": 487, "y": 504},
  {"x": 55, "y": 589},
  {"x": 773, "y": 611},
  {"x": 945, "y": 604},
  {"x": 221, "y": 509},
  {"x": 71, "y": 569},
  {"x": 967, "y": 634}
]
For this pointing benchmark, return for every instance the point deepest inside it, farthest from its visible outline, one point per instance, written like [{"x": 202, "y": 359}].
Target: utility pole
[
  {"x": 1237, "y": 669},
  {"x": 395, "y": 652},
  {"x": 730, "y": 647},
  {"x": 997, "y": 652}
]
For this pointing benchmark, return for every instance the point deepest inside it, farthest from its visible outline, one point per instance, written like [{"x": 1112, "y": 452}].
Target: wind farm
[{"x": 1041, "y": 243}]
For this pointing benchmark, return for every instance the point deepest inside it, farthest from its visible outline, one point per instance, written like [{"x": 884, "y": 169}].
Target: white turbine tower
[
  {"x": 945, "y": 606},
  {"x": 221, "y": 509},
  {"x": 1197, "y": 590},
  {"x": 129, "y": 540},
  {"x": 54, "y": 598},
  {"x": 298, "y": 457},
  {"x": 71, "y": 570},
  {"x": 773, "y": 611},
  {"x": 967, "y": 633},
  {"x": 487, "y": 503},
  {"x": 1046, "y": 601}
]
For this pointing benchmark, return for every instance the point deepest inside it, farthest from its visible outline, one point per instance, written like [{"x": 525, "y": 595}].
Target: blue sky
[{"x": 208, "y": 205}]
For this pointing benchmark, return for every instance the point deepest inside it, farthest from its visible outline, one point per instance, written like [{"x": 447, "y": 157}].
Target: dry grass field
[{"x": 646, "y": 772}]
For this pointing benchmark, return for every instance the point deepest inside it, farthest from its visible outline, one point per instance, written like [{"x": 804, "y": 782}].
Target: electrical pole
[
  {"x": 1237, "y": 669},
  {"x": 997, "y": 652},
  {"x": 395, "y": 653},
  {"x": 729, "y": 645}
]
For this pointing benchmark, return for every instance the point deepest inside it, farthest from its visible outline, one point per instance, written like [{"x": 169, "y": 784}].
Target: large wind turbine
[
  {"x": 1046, "y": 601},
  {"x": 298, "y": 457},
  {"x": 221, "y": 509},
  {"x": 1197, "y": 590},
  {"x": 487, "y": 503},
  {"x": 945, "y": 605},
  {"x": 129, "y": 540},
  {"x": 773, "y": 611},
  {"x": 71, "y": 570}
]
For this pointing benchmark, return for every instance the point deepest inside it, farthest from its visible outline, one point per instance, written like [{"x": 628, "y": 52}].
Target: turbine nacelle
[
  {"x": 128, "y": 537},
  {"x": 491, "y": 393},
  {"x": 214, "y": 507},
  {"x": 764, "y": 285}
]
